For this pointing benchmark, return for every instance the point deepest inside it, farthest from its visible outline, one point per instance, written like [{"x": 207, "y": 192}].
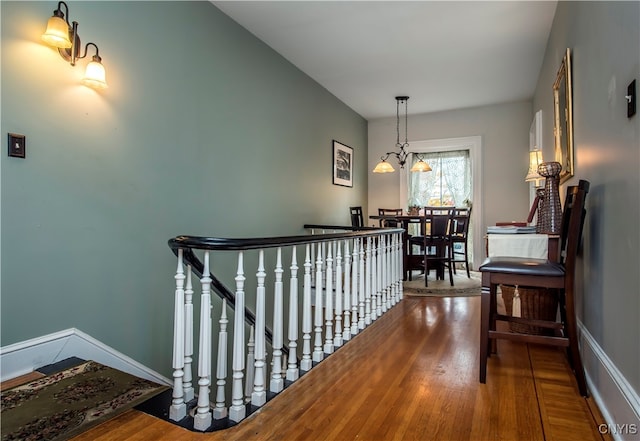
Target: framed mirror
[{"x": 563, "y": 121}]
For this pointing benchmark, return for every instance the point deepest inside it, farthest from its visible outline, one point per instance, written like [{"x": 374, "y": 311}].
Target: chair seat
[{"x": 523, "y": 265}]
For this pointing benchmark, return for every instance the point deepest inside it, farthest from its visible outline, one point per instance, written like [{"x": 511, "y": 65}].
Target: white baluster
[
  {"x": 346, "y": 334},
  {"x": 202, "y": 418},
  {"x": 238, "y": 411},
  {"x": 375, "y": 262},
  {"x": 384, "y": 285},
  {"x": 383, "y": 279},
  {"x": 390, "y": 272},
  {"x": 318, "y": 355},
  {"x": 336, "y": 245},
  {"x": 324, "y": 253},
  {"x": 292, "y": 367},
  {"x": 399, "y": 269},
  {"x": 306, "y": 362},
  {"x": 178, "y": 408},
  {"x": 391, "y": 277},
  {"x": 337, "y": 340},
  {"x": 220, "y": 409},
  {"x": 367, "y": 290},
  {"x": 259, "y": 394},
  {"x": 313, "y": 275},
  {"x": 187, "y": 384},
  {"x": 328, "y": 308},
  {"x": 355, "y": 296},
  {"x": 277, "y": 380},
  {"x": 251, "y": 365}
]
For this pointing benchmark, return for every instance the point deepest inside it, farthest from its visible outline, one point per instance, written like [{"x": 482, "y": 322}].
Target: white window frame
[{"x": 474, "y": 145}]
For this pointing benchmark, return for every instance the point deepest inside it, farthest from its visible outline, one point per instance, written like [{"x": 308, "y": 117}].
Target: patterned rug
[
  {"x": 462, "y": 285},
  {"x": 67, "y": 403}
]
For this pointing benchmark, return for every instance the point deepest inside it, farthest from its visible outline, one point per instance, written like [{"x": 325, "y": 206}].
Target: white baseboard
[
  {"x": 24, "y": 357},
  {"x": 617, "y": 400}
]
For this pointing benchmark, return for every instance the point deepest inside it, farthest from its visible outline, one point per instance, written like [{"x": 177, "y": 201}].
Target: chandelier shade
[
  {"x": 402, "y": 154},
  {"x": 420, "y": 166}
]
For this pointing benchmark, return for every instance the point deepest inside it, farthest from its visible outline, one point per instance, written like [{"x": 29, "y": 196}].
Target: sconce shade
[
  {"x": 383, "y": 167},
  {"x": 535, "y": 159},
  {"x": 57, "y": 33},
  {"x": 420, "y": 166},
  {"x": 95, "y": 75},
  {"x": 65, "y": 37}
]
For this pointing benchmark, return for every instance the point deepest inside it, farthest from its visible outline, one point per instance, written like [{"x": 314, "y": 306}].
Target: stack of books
[{"x": 511, "y": 229}]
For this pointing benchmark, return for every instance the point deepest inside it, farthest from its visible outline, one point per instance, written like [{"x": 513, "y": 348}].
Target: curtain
[{"x": 448, "y": 184}]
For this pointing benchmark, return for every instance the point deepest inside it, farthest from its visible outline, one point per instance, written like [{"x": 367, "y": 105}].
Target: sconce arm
[
  {"x": 58, "y": 12},
  {"x": 86, "y": 49}
]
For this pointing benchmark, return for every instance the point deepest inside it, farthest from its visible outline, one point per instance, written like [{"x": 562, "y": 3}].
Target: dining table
[{"x": 405, "y": 220}]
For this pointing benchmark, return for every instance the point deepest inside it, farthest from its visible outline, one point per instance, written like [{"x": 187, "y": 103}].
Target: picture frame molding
[
  {"x": 563, "y": 118},
  {"x": 342, "y": 164}
]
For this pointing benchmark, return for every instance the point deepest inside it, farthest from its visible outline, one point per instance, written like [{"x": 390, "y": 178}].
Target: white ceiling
[{"x": 443, "y": 55}]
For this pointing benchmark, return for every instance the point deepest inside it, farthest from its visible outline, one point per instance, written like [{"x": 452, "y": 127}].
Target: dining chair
[
  {"x": 357, "y": 220},
  {"x": 458, "y": 236},
  {"x": 434, "y": 243},
  {"x": 389, "y": 212},
  {"x": 539, "y": 273}
]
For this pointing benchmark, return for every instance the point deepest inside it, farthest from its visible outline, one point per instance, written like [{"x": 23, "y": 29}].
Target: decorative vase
[{"x": 550, "y": 214}]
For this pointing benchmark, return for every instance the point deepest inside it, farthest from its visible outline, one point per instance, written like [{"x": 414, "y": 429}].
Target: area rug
[
  {"x": 67, "y": 403},
  {"x": 462, "y": 285}
]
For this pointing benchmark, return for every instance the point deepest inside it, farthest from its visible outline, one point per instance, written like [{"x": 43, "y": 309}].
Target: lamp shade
[
  {"x": 383, "y": 167},
  {"x": 95, "y": 75},
  {"x": 420, "y": 166},
  {"x": 535, "y": 159},
  {"x": 57, "y": 33}
]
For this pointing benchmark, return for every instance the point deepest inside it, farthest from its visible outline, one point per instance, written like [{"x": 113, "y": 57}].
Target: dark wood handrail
[
  {"x": 189, "y": 243},
  {"x": 222, "y": 244}
]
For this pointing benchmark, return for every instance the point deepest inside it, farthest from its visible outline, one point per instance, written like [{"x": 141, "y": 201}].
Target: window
[
  {"x": 448, "y": 184},
  {"x": 473, "y": 145}
]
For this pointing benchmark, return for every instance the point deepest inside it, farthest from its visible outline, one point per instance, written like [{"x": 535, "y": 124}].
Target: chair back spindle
[{"x": 357, "y": 219}]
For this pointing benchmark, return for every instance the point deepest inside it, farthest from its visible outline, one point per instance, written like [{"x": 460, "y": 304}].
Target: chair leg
[
  {"x": 450, "y": 264},
  {"x": 485, "y": 306},
  {"x": 466, "y": 260},
  {"x": 426, "y": 271},
  {"x": 452, "y": 257}
]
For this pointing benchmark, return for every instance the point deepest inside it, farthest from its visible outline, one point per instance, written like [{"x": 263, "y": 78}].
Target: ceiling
[{"x": 443, "y": 55}]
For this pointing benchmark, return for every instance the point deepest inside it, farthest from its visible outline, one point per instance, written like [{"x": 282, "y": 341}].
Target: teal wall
[{"x": 204, "y": 130}]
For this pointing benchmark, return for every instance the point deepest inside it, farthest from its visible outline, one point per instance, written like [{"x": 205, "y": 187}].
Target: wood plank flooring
[{"x": 412, "y": 375}]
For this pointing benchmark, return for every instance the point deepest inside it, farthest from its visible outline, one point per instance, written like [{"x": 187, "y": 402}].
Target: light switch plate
[
  {"x": 631, "y": 99},
  {"x": 17, "y": 145}
]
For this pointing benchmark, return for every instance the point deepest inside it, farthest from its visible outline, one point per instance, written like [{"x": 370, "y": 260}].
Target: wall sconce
[
  {"x": 535, "y": 159},
  {"x": 383, "y": 166},
  {"x": 65, "y": 37}
]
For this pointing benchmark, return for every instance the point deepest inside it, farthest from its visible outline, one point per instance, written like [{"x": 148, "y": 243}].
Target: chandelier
[{"x": 385, "y": 167}]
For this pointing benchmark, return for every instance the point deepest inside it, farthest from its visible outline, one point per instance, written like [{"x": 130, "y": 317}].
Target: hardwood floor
[{"x": 412, "y": 375}]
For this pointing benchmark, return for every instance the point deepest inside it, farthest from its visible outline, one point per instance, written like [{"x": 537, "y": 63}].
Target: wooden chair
[
  {"x": 389, "y": 212},
  {"x": 458, "y": 235},
  {"x": 434, "y": 243},
  {"x": 539, "y": 273},
  {"x": 357, "y": 220}
]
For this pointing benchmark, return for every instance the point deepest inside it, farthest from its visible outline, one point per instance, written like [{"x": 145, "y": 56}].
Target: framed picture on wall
[
  {"x": 342, "y": 164},
  {"x": 563, "y": 118}
]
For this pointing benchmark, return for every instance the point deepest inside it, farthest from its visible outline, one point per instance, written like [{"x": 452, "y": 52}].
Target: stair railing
[{"x": 350, "y": 277}]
